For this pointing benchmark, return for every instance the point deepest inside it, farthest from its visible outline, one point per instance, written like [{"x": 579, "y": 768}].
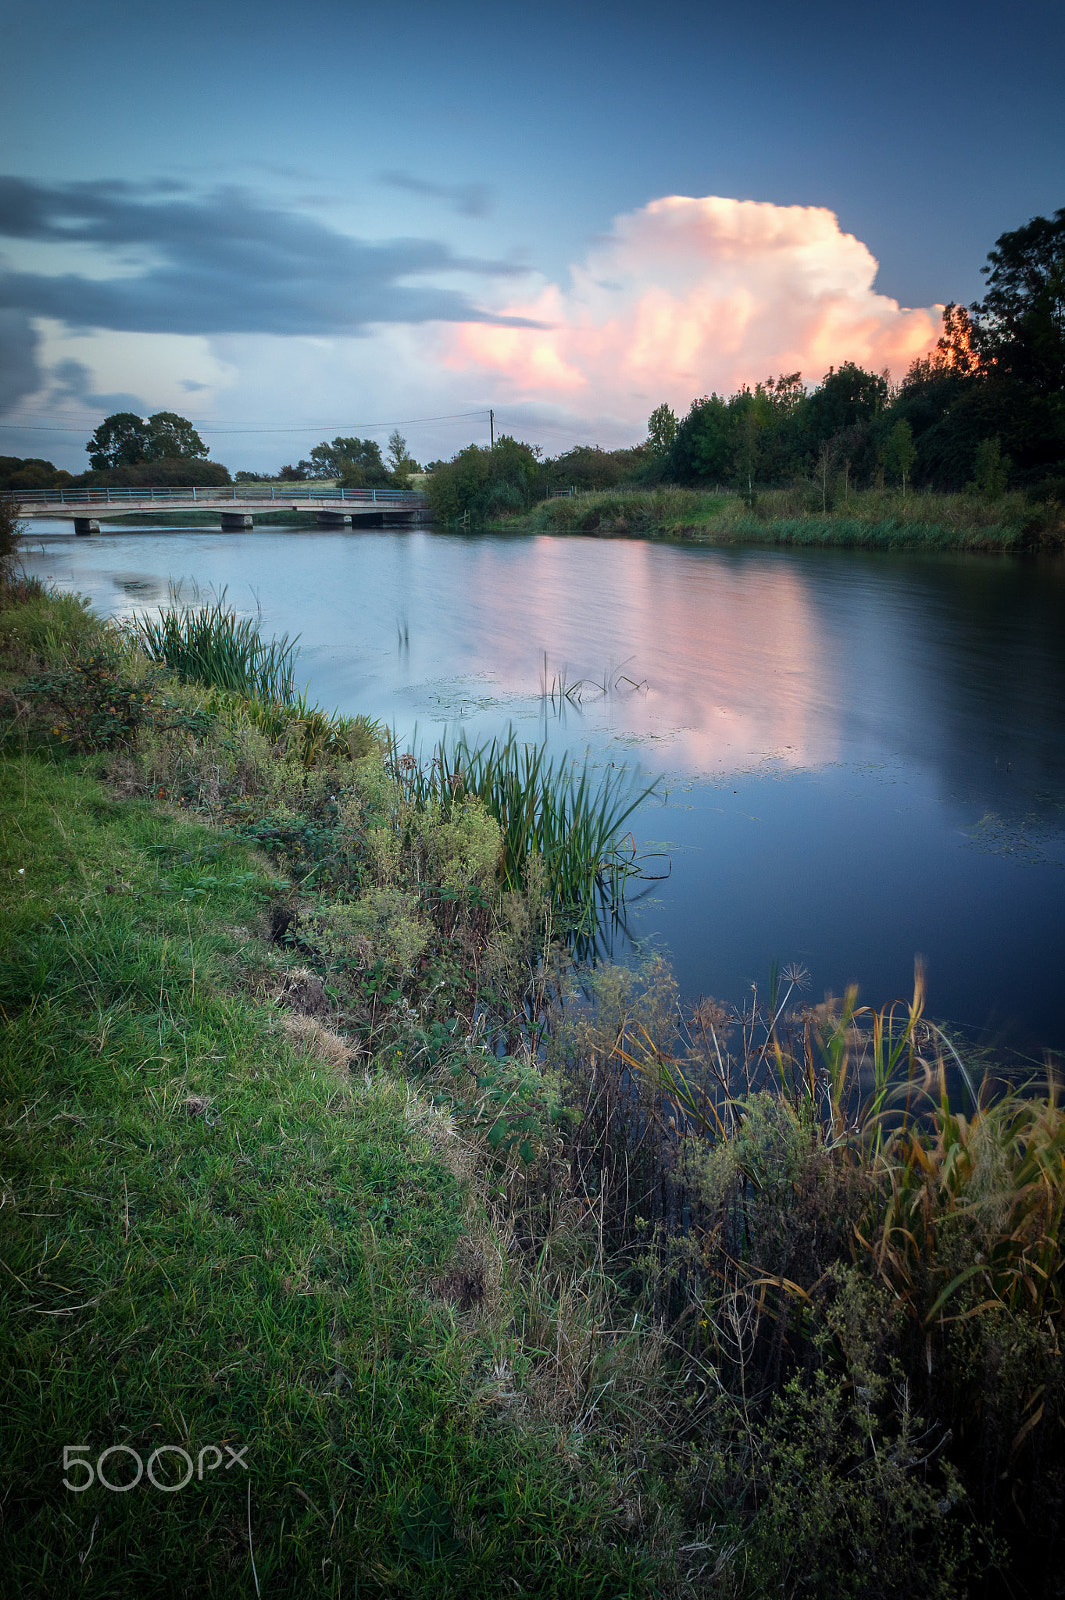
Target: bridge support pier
[
  {"x": 235, "y": 521},
  {"x": 334, "y": 519},
  {"x": 86, "y": 525}
]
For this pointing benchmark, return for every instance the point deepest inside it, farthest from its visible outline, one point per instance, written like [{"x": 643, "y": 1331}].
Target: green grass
[
  {"x": 38, "y": 625},
  {"x": 887, "y": 533},
  {"x": 210, "y": 1237}
]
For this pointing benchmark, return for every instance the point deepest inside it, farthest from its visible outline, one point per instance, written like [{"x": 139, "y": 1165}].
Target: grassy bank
[
  {"x": 202, "y": 519},
  {"x": 872, "y": 519},
  {"x": 508, "y": 1278},
  {"x": 226, "y": 1224}
]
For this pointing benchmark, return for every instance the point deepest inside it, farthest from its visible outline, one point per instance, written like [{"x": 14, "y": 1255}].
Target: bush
[
  {"x": 10, "y": 531},
  {"x": 837, "y": 1501},
  {"x": 96, "y": 703},
  {"x": 478, "y": 484},
  {"x": 31, "y": 473}
]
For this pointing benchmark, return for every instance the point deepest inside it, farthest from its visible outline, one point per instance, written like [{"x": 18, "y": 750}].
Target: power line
[{"x": 295, "y": 427}]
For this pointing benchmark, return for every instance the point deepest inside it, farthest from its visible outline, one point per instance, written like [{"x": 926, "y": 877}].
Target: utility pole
[{"x": 492, "y": 428}]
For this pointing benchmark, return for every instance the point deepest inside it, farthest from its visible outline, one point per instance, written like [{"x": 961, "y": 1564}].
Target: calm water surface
[{"x": 862, "y": 756}]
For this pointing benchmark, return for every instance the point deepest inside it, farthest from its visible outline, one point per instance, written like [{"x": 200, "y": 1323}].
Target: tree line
[{"x": 165, "y": 450}]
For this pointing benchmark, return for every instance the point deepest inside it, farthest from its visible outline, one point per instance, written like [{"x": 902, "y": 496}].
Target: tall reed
[
  {"x": 546, "y": 807},
  {"x": 210, "y": 644}
]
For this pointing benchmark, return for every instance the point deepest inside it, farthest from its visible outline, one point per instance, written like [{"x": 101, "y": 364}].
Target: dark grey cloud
[
  {"x": 226, "y": 263},
  {"x": 71, "y": 380},
  {"x": 469, "y": 199},
  {"x": 20, "y": 373}
]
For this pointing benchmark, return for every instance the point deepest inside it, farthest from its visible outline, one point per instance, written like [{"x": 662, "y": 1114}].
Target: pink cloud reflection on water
[{"x": 731, "y": 654}]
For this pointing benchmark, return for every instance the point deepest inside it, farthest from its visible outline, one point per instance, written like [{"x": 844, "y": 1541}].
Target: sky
[{"x": 291, "y": 222}]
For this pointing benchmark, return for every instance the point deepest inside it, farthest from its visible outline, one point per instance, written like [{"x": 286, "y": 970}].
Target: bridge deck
[{"x": 85, "y": 502}]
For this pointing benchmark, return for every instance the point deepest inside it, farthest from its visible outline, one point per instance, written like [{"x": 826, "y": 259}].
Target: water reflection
[{"x": 864, "y": 754}]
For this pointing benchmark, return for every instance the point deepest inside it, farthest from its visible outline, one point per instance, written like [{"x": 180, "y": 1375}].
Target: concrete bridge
[{"x": 236, "y": 506}]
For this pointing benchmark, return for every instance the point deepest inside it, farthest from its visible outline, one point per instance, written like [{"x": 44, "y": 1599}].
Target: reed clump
[
  {"x": 548, "y": 810},
  {"x": 210, "y": 644}
]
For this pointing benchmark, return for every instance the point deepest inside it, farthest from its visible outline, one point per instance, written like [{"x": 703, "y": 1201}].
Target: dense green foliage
[
  {"x": 31, "y": 472},
  {"x": 352, "y": 461},
  {"x": 479, "y": 483}
]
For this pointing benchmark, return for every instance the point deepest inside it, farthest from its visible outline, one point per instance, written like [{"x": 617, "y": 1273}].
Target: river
[{"x": 862, "y": 756}]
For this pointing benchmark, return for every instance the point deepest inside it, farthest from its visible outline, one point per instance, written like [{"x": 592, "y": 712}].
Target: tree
[
  {"x": 846, "y": 395},
  {"x": 171, "y": 437},
  {"x": 703, "y": 447},
  {"x": 31, "y": 473},
  {"x": 1020, "y": 323},
  {"x": 956, "y": 348},
  {"x": 825, "y": 459},
  {"x": 786, "y": 393},
  {"x": 992, "y": 469},
  {"x": 125, "y": 440},
  {"x": 121, "y": 440},
  {"x": 900, "y": 452},
  {"x": 479, "y": 483},
  {"x": 10, "y": 532},
  {"x": 751, "y": 413},
  {"x": 355, "y": 462},
  {"x": 588, "y": 467},
  {"x": 400, "y": 460},
  {"x": 661, "y": 430}
]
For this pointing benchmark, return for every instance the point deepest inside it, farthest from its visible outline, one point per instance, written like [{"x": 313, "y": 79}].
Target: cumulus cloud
[
  {"x": 468, "y": 199},
  {"x": 225, "y": 263},
  {"x": 687, "y": 296}
]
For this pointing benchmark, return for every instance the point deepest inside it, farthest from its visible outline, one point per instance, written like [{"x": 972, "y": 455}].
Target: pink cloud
[{"x": 687, "y": 296}]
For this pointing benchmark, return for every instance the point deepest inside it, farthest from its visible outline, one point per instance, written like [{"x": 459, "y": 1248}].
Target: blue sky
[{"x": 273, "y": 216}]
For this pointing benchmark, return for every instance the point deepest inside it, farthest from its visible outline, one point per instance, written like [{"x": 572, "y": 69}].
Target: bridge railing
[{"x": 110, "y": 497}]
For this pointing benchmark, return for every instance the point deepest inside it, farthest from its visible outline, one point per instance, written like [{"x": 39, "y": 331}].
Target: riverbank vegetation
[
  {"x": 872, "y": 519},
  {"x": 320, "y": 1144}
]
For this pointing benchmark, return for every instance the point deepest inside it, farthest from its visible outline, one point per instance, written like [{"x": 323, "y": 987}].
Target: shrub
[
  {"x": 834, "y": 1500},
  {"x": 177, "y": 472},
  {"x": 381, "y": 929},
  {"x": 94, "y": 703}
]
